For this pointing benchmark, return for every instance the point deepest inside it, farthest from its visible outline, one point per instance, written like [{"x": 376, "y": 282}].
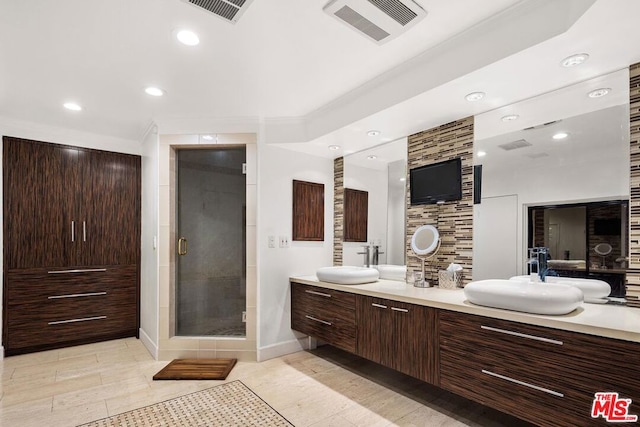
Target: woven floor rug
[{"x": 229, "y": 404}]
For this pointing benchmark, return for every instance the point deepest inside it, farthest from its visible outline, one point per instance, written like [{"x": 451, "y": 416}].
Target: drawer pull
[
  {"x": 86, "y": 270},
  {"x": 378, "y": 305},
  {"x": 324, "y": 322},
  {"x": 88, "y": 294},
  {"x": 535, "y": 387},
  {"x": 521, "y": 335},
  {"x": 320, "y": 294},
  {"x": 84, "y": 319},
  {"x": 402, "y": 310}
]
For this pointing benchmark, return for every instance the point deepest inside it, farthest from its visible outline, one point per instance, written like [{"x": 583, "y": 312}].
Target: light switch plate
[
  {"x": 271, "y": 241},
  {"x": 284, "y": 241}
]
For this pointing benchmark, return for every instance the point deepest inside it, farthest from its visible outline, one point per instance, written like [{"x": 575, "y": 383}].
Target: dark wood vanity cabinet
[
  {"x": 398, "y": 335},
  {"x": 542, "y": 375},
  {"x": 324, "y": 314},
  {"x": 71, "y": 245}
]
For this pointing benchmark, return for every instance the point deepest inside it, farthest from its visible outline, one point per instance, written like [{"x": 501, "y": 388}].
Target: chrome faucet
[
  {"x": 376, "y": 254},
  {"x": 367, "y": 255},
  {"x": 543, "y": 268}
]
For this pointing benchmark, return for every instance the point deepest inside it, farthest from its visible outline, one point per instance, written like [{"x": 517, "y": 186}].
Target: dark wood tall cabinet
[{"x": 71, "y": 245}]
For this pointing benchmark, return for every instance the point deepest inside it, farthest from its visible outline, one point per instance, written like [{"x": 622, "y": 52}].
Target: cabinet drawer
[
  {"x": 324, "y": 314},
  {"x": 38, "y": 285},
  {"x": 101, "y": 323},
  {"x": 74, "y": 306},
  {"x": 52, "y": 307},
  {"x": 526, "y": 370}
]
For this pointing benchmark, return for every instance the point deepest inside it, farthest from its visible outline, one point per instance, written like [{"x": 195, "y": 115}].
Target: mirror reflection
[
  {"x": 564, "y": 150},
  {"x": 381, "y": 172}
]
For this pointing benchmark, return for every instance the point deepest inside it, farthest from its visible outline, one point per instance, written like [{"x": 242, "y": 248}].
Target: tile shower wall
[
  {"x": 454, "y": 220},
  {"x": 338, "y": 209},
  {"x": 633, "y": 276}
]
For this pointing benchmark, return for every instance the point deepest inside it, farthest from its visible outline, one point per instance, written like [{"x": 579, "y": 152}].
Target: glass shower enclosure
[{"x": 210, "y": 287}]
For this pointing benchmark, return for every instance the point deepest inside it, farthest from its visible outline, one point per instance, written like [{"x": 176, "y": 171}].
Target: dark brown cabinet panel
[
  {"x": 356, "y": 214},
  {"x": 71, "y": 245},
  {"x": 542, "y": 375},
  {"x": 108, "y": 227},
  {"x": 324, "y": 314},
  {"x": 38, "y": 204},
  {"x": 308, "y": 211},
  {"x": 398, "y": 335}
]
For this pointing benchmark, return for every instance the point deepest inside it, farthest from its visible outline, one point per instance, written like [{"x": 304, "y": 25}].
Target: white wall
[
  {"x": 396, "y": 214},
  {"x": 375, "y": 183},
  {"x": 149, "y": 302},
  {"x": 277, "y": 168},
  {"x": 601, "y": 176}
]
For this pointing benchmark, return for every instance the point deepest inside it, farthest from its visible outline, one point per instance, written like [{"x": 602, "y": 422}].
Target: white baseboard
[
  {"x": 280, "y": 349},
  {"x": 149, "y": 344}
]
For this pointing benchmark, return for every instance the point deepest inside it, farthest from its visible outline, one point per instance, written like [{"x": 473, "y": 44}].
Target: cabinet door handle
[
  {"x": 88, "y": 294},
  {"x": 182, "y": 246},
  {"x": 84, "y": 231},
  {"x": 318, "y": 293},
  {"x": 521, "y": 335},
  {"x": 318, "y": 320},
  {"x": 73, "y": 231},
  {"x": 378, "y": 305},
  {"x": 513, "y": 380},
  {"x": 84, "y": 319},
  {"x": 86, "y": 270},
  {"x": 402, "y": 310}
]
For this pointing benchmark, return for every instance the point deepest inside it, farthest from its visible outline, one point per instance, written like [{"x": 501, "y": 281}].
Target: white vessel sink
[
  {"x": 536, "y": 298},
  {"x": 392, "y": 272},
  {"x": 595, "y": 291},
  {"x": 347, "y": 275}
]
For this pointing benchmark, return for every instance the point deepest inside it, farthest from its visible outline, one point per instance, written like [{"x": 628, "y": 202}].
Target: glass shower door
[{"x": 211, "y": 249}]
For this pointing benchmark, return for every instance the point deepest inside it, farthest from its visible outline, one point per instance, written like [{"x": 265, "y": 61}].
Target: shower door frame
[{"x": 170, "y": 346}]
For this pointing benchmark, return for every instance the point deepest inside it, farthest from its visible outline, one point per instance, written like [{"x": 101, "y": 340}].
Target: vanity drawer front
[
  {"x": 500, "y": 363},
  {"x": 328, "y": 316},
  {"x": 469, "y": 333}
]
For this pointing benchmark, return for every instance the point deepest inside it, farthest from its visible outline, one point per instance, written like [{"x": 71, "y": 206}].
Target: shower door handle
[{"x": 182, "y": 246}]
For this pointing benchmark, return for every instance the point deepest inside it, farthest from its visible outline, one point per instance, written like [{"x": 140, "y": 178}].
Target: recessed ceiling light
[
  {"x": 334, "y": 147},
  {"x": 573, "y": 60},
  {"x": 510, "y": 117},
  {"x": 403, "y": 179},
  {"x": 373, "y": 133},
  {"x": 188, "y": 38},
  {"x": 154, "y": 91},
  {"x": 72, "y": 106},
  {"x": 207, "y": 137},
  {"x": 474, "y": 96},
  {"x": 482, "y": 153},
  {"x": 372, "y": 157},
  {"x": 560, "y": 135},
  {"x": 599, "y": 92}
]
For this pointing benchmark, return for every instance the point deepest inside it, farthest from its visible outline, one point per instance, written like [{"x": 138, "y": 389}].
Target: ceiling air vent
[
  {"x": 379, "y": 20},
  {"x": 229, "y": 10},
  {"x": 521, "y": 143}
]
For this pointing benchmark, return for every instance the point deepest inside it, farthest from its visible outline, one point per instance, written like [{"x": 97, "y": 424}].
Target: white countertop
[{"x": 611, "y": 321}]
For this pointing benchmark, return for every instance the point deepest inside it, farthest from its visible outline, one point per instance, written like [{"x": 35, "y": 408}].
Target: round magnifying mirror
[
  {"x": 425, "y": 240},
  {"x": 603, "y": 249}
]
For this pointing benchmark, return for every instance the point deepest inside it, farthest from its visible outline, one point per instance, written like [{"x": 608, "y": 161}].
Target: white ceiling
[{"x": 287, "y": 60}]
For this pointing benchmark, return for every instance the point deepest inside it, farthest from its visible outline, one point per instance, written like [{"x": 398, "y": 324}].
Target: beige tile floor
[{"x": 326, "y": 387}]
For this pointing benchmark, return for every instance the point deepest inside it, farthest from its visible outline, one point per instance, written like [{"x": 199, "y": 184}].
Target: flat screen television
[{"x": 437, "y": 182}]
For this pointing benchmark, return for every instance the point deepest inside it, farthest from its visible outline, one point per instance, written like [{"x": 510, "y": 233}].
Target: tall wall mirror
[
  {"x": 381, "y": 172},
  {"x": 550, "y": 165}
]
